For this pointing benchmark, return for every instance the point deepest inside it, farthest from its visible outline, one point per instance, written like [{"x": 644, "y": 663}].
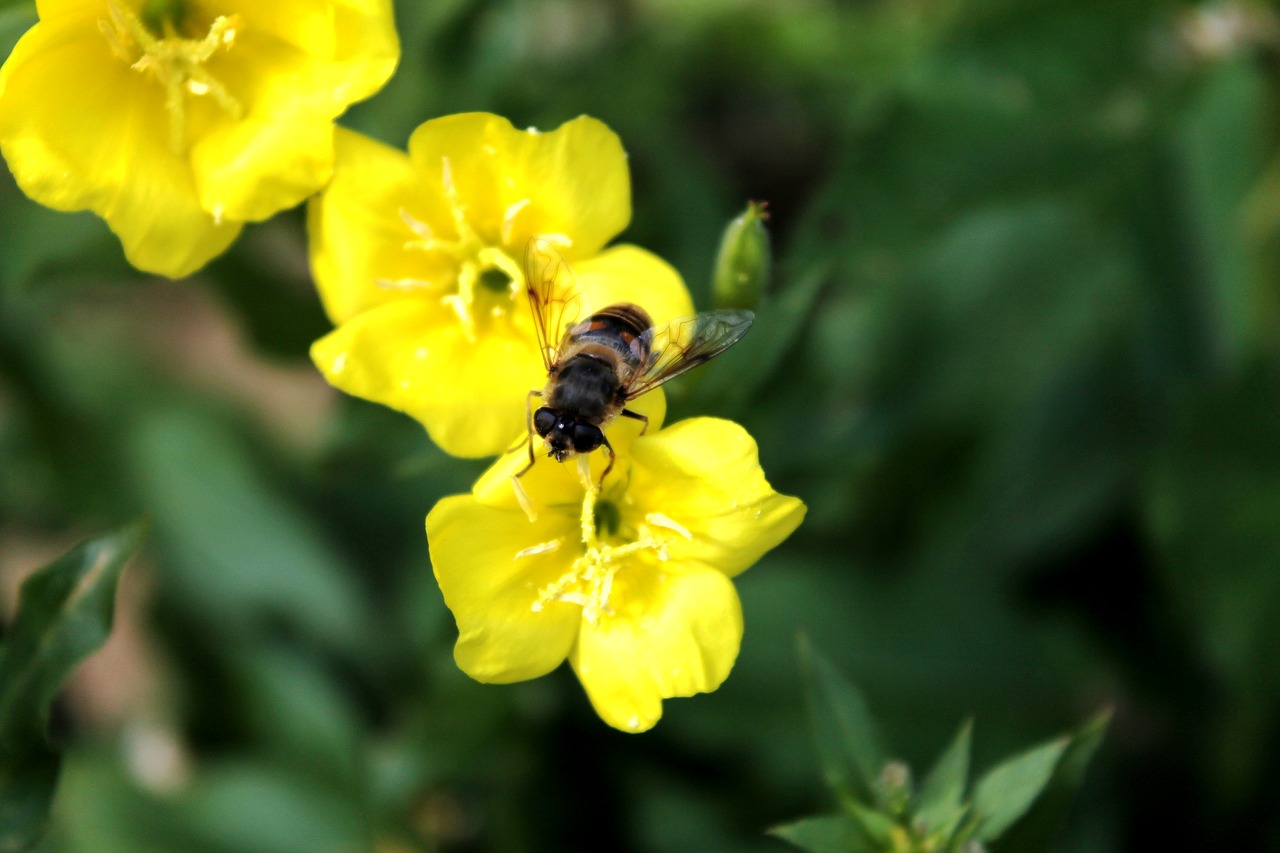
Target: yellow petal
[
  {"x": 557, "y": 485},
  {"x": 675, "y": 633},
  {"x": 353, "y": 43},
  {"x": 491, "y": 591},
  {"x": 412, "y": 356},
  {"x": 516, "y": 184},
  {"x": 358, "y": 232},
  {"x": 631, "y": 274},
  {"x": 251, "y": 169},
  {"x": 367, "y": 48},
  {"x": 79, "y": 130},
  {"x": 293, "y": 69},
  {"x": 51, "y": 9},
  {"x": 704, "y": 474}
]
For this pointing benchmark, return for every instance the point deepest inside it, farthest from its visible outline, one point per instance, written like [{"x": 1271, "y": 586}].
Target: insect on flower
[{"x": 603, "y": 362}]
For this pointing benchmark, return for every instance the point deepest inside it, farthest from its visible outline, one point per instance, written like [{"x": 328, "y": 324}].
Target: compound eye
[
  {"x": 587, "y": 438},
  {"x": 543, "y": 420}
]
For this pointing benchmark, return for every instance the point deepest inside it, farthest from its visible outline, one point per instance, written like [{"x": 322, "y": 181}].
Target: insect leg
[
  {"x": 528, "y": 423},
  {"x": 522, "y": 497},
  {"x": 644, "y": 419},
  {"x": 613, "y": 457}
]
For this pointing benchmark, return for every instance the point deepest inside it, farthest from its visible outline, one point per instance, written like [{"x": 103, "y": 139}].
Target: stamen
[
  {"x": 417, "y": 226},
  {"x": 177, "y": 63},
  {"x": 404, "y": 284},
  {"x": 540, "y": 548},
  {"x": 509, "y": 218},
  {"x": 657, "y": 519},
  {"x": 522, "y": 498},
  {"x": 590, "y": 579}
]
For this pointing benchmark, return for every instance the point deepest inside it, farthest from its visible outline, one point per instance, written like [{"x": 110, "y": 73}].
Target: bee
[{"x": 602, "y": 363}]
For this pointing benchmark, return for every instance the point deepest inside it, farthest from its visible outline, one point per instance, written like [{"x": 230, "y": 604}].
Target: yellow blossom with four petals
[
  {"x": 179, "y": 120},
  {"x": 632, "y": 585},
  {"x": 419, "y": 260}
]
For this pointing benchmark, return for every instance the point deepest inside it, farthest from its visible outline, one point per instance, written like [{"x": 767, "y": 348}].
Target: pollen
[{"x": 177, "y": 63}]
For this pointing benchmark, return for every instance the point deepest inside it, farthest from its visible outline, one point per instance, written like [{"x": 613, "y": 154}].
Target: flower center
[
  {"x": 153, "y": 44},
  {"x": 489, "y": 279},
  {"x": 589, "y": 581}
]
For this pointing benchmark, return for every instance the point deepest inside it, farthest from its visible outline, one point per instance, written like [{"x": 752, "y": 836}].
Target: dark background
[{"x": 1019, "y": 358}]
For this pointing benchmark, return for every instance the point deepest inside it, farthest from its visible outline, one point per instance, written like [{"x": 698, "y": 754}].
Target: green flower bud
[{"x": 743, "y": 263}]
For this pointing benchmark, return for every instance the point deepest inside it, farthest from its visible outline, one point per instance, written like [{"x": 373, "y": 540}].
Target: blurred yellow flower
[
  {"x": 419, "y": 259},
  {"x": 631, "y": 585},
  {"x": 179, "y": 120}
]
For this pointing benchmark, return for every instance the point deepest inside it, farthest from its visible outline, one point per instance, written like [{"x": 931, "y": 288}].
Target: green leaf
[
  {"x": 877, "y": 826},
  {"x": 942, "y": 796},
  {"x": 836, "y": 834},
  {"x": 849, "y": 744},
  {"x": 1036, "y": 830},
  {"x": 1007, "y": 791},
  {"x": 64, "y": 615}
]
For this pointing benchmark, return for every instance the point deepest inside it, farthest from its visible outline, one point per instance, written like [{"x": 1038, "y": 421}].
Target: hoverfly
[{"x": 605, "y": 361}]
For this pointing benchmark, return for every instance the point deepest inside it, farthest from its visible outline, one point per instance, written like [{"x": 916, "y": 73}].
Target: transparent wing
[
  {"x": 683, "y": 344},
  {"x": 553, "y": 296}
]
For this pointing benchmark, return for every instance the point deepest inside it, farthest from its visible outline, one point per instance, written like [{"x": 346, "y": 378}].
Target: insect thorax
[{"x": 585, "y": 388}]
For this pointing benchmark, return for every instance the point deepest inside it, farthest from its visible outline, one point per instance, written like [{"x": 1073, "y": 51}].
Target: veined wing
[
  {"x": 553, "y": 296},
  {"x": 681, "y": 345}
]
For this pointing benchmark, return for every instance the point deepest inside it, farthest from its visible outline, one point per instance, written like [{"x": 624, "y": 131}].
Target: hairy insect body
[
  {"x": 586, "y": 390},
  {"x": 597, "y": 365}
]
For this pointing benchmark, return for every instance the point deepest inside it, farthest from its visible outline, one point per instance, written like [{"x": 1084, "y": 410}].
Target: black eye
[
  {"x": 543, "y": 420},
  {"x": 586, "y": 438}
]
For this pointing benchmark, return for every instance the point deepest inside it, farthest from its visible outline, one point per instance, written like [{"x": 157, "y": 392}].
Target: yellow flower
[
  {"x": 419, "y": 261},
  {"x": 632, "y": 585},
  {"x": 179, "y": 120}
]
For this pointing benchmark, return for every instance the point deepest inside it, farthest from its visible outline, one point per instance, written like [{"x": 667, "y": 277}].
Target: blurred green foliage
[
  {"x": 1014, "y": 806},
  {"x": 1019, "y": 357}
]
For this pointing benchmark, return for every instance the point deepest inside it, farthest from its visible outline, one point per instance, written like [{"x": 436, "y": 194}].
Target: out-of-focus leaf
[
  {"x": 943, "y": 793},
  {"x": 237, "y": 548},
  {"x": 836, "y": 834},
  {"x": 849, "y": 744},
  {"x": 64, "y": 614},
  {"x": 230, "y": 806},
  {"x": 37, "y": 238},
  {"x": 1211, "y": 507},
  {"x": 298, "y": 714},
  {"x": 733, "y": 381},
  {"x": 1038, "y": 828},
  {"x": 1223, "y": 146},
  {"x": 15, "y": 19},
  {"x": 1006, "y": 792},
  {"x": 239, "y": 806}
]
